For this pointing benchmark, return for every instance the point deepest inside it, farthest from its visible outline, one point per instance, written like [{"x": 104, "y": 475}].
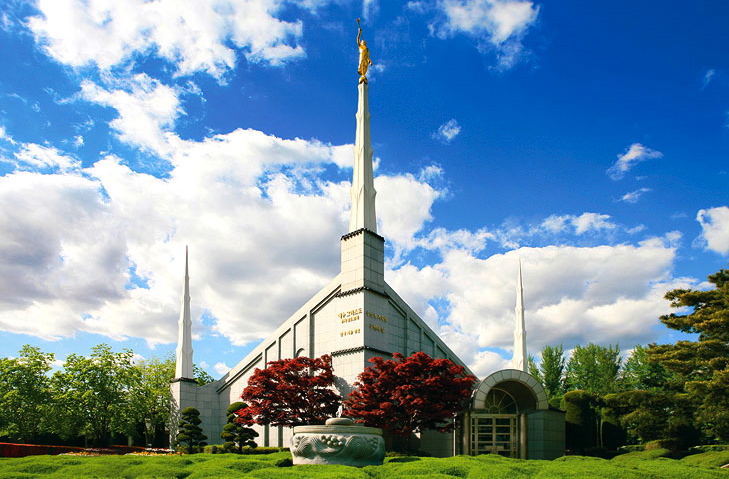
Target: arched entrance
[
  {"x": 497, "y": 421},
  {"x": 496, "y": 430}
]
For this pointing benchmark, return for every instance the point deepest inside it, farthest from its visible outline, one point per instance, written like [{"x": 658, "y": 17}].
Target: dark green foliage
[
  {"x": 235, "y": 433},
  {"x": 612, "y": 433},
  {"x": 701, "y": 368},
  {"x": 652, "y": 415},
  {"x": 581, "y": 420},
  {"x": 189, "y": 432}
]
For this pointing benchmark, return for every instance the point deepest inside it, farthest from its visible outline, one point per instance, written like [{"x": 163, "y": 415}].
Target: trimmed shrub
[
  {"x": 581, "y": 420},
  {"x": 672, "y": 444}
]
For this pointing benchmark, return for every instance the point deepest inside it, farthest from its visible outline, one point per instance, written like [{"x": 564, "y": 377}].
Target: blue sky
[{"x": 588, "y": 140}]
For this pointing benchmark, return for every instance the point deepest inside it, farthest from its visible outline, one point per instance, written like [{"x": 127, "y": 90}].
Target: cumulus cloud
[
  {"x": 715, "y": 228},
  {"x": 101, "y": 249},
  {"x": 447, "y": 131},
  {"x": 146, "y": 110},
  {"x": 194, "y": 35},
  {"x": 635, "y": 154},
  {"x": 496, "y": 25},
  {"x": 634, "y": 196},
  {"x": 573, "y": 295}
]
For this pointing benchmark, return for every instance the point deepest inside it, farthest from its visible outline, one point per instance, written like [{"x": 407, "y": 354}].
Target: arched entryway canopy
[{"x": 497, "y": 420}]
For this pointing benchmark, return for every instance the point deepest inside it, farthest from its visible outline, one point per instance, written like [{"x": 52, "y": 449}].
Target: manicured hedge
[
  {"x": 246, "y": 450},
  {"x": 22, "y": 450}
]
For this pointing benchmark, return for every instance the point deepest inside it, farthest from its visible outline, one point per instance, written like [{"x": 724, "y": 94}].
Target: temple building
[{"x": 358, "y": 316}]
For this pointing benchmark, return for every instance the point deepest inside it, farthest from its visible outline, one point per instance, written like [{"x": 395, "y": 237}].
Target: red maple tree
[
  {"x": 407, "y": 395},
  {"x": 292, "y": 392}
]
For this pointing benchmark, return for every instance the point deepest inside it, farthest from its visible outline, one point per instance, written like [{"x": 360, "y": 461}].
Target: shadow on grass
[{"x": 404, "y": 459}]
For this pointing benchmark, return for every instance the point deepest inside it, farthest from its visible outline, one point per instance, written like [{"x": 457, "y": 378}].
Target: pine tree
[
  {"x": 701, "y": 367},
  {"x": 189, "y": 432},
  {"x": 235, "y": 432}
]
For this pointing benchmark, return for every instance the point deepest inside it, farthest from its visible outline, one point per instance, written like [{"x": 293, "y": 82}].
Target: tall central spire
[{"x": 362, "y": 214}]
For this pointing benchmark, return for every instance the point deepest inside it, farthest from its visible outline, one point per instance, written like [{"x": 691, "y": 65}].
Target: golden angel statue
[{"x": 364, "y": 55}]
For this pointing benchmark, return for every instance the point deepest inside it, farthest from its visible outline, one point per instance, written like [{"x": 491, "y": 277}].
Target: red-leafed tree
[
  {"x": 292, "y": 392},
  {"x": 407, "y": 395}
]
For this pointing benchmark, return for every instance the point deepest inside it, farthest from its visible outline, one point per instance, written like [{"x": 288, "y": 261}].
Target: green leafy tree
[
  {"x": 189, "y": 432},
  {"x": 201, "y": 376},
  {"x": 151, "y": 398},
  {"x": 24, "y": 394},
  {"x": 640, "y": 373},
  {"x": 94, "y": 394},
  {"x": 235, "y": 432},
  {"x": 593, "y": 369},
  {"x": 701, "y": 367},
  {"x": 551, "y": 371}
]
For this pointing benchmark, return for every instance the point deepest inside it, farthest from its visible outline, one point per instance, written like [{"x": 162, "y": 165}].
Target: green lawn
[{"x": 633, "y": 465}]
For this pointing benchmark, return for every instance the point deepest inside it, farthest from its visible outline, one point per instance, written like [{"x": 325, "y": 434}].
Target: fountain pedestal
[{"x": 339, "y": 441}]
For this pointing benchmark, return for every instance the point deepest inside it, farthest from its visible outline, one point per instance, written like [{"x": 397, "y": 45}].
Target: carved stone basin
[{"x": 339, "y": 441}]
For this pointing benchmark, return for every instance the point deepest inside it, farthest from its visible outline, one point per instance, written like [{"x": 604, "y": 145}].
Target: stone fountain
[{"x": 339, "y": 441}]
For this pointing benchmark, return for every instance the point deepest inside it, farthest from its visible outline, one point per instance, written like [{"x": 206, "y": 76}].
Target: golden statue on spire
[{"x": 364, "y": 55}]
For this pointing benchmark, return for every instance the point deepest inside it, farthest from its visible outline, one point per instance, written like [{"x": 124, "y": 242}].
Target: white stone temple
[{"x": 355, "y": 317}]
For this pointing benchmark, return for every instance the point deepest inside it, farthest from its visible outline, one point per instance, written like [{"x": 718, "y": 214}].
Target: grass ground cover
[{"x": 634, "y": 465}]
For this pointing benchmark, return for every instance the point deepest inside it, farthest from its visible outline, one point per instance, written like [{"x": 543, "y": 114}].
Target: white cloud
[
  {"x": 36, "y": 157},
  {"x": 497, "y": 25},
  {"x": 407, "y": 209},
  {"x": 72, "y": 239},
  {"x": 604, "y": 294},
  {"x": 634, "y": 196},
  {"x": 447, "y": 131},
  {"x": 715, "y": 228},
  {"x": 708, "y": 76},
  {"x": 146, "y": 110},
  {"x": 586, "y": 222},
  {"x": 221, "y": 368},
  {"x": 635, "y": 154},
  {"x": 4, "y": 136},
  {"x": 194, "y": 35}
]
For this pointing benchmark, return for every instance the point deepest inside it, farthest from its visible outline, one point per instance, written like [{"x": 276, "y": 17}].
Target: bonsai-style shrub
[
  {"x": 189, "y": 432},
  {"x": 235, "y": 432}
]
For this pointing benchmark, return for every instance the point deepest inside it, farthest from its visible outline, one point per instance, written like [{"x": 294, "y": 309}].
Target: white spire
[
  {"x": 362, "y": 214},
  {"x": 183, "y": 365},
  {"x": 519, "y": 359}
]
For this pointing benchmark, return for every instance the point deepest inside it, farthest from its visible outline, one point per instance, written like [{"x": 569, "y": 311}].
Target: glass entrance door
[{"x": 495, "y": 434}]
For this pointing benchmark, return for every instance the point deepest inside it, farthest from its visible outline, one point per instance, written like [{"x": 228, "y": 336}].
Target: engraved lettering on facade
[
  {"x": 376, "y": 316},
  {"x": 379, "y": 329}
]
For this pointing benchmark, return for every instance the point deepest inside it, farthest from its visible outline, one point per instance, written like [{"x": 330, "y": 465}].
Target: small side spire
[
  {"x": 519, "y": 359},
  {"x": 183, "y": 364}
]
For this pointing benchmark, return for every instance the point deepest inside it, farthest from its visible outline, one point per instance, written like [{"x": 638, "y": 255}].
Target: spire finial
[{"x": 364, "y": 55}]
